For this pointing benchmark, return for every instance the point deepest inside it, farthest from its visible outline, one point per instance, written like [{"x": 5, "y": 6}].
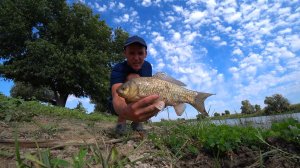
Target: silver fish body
[{"x": 170, "y": 91}]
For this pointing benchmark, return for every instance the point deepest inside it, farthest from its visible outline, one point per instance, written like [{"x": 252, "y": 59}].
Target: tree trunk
[{"x": 61, "y": 99}]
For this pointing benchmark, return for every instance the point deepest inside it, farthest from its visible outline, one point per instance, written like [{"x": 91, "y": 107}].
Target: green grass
[
  {"x": 12, "y": 109},
  {"x": 220, "y": 139}
]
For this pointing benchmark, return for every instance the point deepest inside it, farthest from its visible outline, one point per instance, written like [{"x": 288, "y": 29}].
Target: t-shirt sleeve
[
  {"x": 148, "y": 70},
  {"x": 117, "y": 75}
]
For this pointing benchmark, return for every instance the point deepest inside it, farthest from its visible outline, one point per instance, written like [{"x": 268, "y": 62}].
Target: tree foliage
[
  {"x": 28, "y": 92},
  {"x": 63, "y": 47},
  {"x": 227, "y": 112},
  {"x": 216, "y": 114},
  {"x": 257, "y": 108},
  {"x": 276, "y": 104},
  {"x": 247, "y": 108}
]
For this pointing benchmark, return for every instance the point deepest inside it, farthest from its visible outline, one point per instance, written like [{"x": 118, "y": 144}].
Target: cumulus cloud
[
  {"x": 100, "y": 8},
  {"x": 121, "y": 5},
  {"x": 237, "y": 51}
]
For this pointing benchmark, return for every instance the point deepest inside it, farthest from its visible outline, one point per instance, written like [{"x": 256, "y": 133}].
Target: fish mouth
[{"x": 120, "y": 92}]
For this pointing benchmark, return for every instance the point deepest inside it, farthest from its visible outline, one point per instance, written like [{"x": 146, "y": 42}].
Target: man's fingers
[{"x": 145, "y": 101}]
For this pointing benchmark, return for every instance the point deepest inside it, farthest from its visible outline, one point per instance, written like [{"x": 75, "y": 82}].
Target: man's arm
[{"x": 139, "y": 111}]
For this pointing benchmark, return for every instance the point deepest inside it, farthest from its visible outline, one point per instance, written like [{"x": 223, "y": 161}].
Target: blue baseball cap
[{"x": 135, "y": 39}]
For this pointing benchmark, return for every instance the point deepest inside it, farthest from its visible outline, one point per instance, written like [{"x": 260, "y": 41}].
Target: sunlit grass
[{"x": 12, "y": 109}]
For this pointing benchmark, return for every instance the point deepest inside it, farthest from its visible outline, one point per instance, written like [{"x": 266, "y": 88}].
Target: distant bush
[
  {"x": 12, "y": 109},
  {"x": 216, "y": 114},
  {"x": 227, "y": 112},
  {"x": 295, "y": 107}
]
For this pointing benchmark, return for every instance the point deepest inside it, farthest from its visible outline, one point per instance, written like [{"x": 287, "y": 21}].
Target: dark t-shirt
[
  {"x": 121, "y": 70},
  {"x": 119, "y": 74}
]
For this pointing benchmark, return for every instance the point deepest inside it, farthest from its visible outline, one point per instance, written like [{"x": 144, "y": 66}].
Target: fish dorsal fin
[
  {"x": 179, "y": 108},
  {"x": 165, "y": 77}
]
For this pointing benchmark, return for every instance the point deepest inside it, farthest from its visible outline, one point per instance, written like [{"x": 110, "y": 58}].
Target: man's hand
[{"x": 141, "y": 110}]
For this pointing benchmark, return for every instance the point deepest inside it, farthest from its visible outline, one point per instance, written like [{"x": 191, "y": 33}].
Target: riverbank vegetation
[
  {"x": 173, "y": 143},
  {"x": 275, "y": 104}
]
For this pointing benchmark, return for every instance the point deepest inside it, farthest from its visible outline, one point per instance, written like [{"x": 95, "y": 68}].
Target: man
[{"x": 135, "y": 51}]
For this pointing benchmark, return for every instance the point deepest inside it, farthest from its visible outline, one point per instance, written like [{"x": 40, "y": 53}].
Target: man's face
[{"x": 135, "y": 54}]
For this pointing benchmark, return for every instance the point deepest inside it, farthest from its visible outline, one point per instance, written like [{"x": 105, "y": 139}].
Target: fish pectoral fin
[
  {"x": 160, "y": 105},
  {"x": 179, "y": 108},
  {"x": 165, "y": 77}
]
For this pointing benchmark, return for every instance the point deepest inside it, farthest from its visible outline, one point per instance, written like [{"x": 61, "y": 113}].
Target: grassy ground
[
  {"x": 35, "y": 135},
  {"x": 12, "y": 109}
]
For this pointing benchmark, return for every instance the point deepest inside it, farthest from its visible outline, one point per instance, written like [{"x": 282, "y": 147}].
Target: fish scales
[{"x": 170, "y": 93}]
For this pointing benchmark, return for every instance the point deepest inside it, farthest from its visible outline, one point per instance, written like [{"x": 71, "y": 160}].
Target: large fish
[{"x": 170, "y": 90}]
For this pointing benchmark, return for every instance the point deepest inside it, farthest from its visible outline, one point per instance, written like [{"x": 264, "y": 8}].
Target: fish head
[{"x": 128, "y": 91}]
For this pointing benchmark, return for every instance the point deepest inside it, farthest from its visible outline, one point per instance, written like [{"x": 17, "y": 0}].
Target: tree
[
  {"x": 62, "y": 47},
  {"x": 28, "y": 92},
  {"x": 276, "y": 104},
  {"x": 257, "y": 108},
  {"x": 216, "y": 114},
  {"x": 227, "y": 112},
  {"x": 247, "y": 108}
]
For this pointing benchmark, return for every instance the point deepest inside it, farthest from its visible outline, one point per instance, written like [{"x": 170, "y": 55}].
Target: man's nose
[{"x": 135, "y": 56}]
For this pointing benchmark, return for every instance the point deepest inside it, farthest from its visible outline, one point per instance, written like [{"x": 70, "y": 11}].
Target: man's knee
[{"x": 131, "y": 76}]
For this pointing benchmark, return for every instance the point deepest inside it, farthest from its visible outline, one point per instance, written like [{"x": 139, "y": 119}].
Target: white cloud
[
  {"x": 100, "y": 8},
  {"x": 196, "y": 16},
  {"x": 233, "y": 69},
  {"x": 176, "y": 36},
  {"x": 294, "y": 42},
  {"x": 146, "y": 3},
  {"x": 124, "y": 18},
  {"x": 152, "y": 50},
  {"x": 223, "y": 43},
  {"x": 216, "y": 38},
  {"x": 190, "y": 36},
  {"x": 237, "y": 51},
  {"x": 112, "y": 5},
  {"x": 121, "y": 5}
]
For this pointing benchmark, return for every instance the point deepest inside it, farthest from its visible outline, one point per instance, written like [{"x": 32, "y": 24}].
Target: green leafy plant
[{"x": 288, "y": 130}]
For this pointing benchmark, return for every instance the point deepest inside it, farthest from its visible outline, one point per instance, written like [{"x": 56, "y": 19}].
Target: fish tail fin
[{"x": 199, "y": 102}]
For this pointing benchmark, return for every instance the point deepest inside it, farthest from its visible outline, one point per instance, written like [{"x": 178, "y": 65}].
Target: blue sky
[{"x": 236, "y": 49}]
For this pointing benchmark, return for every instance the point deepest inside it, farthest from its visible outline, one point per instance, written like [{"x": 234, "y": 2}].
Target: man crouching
[{"x": 135, "y": 51}]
